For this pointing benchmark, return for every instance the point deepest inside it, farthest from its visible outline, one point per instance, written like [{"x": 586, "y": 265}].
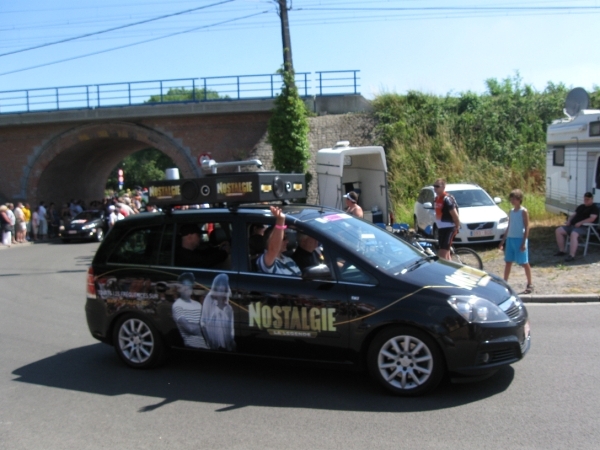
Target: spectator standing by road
[
  {"x": 516, "y": 239},
  {"x": 27, "y": 214},
  {"x": 6, "y": 226},
  {"x": 13, "y": 220},
  {"x": 352, "y": 204},
  {"x": 35, "y": 224},
  {"x": 42, "y": 221},
  {"x": 446, "y": 218},
  {"x": 53, "y": 220},
  {"x": 20, "y": 224},
  {"x": 65, "y": 214}
]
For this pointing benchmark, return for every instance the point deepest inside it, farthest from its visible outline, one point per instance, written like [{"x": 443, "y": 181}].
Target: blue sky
[{"x": 438, "y": 46}]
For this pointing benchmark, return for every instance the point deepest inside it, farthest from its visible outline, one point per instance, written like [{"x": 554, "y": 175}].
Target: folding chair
[{"x": 593, "y": 230}]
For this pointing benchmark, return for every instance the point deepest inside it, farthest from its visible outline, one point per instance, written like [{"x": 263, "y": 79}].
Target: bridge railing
[{"x": 182, "y": 90}]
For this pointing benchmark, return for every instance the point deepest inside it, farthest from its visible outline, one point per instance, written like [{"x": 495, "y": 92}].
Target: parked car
[
  {"x": 374, "y": 301},
  {"x": 88, "y": 225},
  {"x": 481, "y": 218}
]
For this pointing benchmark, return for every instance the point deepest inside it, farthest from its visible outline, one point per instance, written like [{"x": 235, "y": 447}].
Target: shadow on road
[{"x": 239, "y": 382}]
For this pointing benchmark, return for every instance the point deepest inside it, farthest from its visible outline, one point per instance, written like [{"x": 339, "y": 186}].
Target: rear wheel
[
  {"x": 138, "y": 343},
  {"x": 467, "y": 257},
  {"x": 405, "y": 361}
]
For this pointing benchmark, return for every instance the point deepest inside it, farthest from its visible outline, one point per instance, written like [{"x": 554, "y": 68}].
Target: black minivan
[{"x": 371, "y": 300}]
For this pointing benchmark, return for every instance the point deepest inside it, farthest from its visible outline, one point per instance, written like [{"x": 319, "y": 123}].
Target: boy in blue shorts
[{"x": 516, "y": 237}]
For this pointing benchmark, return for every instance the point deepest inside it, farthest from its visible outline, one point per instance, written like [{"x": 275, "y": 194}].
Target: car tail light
[{"x": 91, "y": 285}]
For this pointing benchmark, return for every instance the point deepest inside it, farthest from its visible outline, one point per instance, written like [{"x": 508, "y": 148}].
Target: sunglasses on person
[{"x": 437, "y": 186}]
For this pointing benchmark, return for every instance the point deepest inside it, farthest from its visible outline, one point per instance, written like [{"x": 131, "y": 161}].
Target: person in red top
[{"x": 446, "y": 218}]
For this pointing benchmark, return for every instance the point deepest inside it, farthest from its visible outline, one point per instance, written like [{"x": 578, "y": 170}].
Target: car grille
[
  {"x": 481, "y": 238},
  {"x": 497, "y": 356},
  {"x": 514, "y": 312},
  {"x": 513, "y": 308},
  {"x": 481, "y": 226}
]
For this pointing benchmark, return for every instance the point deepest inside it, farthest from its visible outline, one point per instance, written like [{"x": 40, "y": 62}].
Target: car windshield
[
  {"x": 468, "y": 198},
  {"x": 88, "y": 215},
  {"x": 382, "y": 249}
]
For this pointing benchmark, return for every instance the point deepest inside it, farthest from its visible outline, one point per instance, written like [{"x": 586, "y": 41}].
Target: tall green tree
[
  {"x": 140, "y": 168},
  {"x": 288, "y": 129}
]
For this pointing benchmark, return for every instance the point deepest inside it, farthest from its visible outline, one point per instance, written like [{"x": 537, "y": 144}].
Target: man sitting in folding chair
[{"x": 575, "y": 226}]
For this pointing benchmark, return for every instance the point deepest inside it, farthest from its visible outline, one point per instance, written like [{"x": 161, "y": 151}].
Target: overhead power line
[
  {"x": 455, "y": 8},
  {"x": 135, "y": 43},
  {"x": 154, "y": 19}
]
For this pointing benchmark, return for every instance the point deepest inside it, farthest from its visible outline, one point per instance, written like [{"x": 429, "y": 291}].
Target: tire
[
  {"x": 99, "y": 235},
  {"x": 66, "y": 241},
  {"x": 393, "y": 363},
  {"x": 467, "y": 257},
  {"x": 138, "y": 343}
]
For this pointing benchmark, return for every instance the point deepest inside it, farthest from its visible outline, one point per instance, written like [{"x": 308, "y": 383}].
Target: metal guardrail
[{"x": 182, "y": 90}]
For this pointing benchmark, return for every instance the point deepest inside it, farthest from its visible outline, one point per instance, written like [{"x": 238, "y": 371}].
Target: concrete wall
[{"x": 325, "y": 131}]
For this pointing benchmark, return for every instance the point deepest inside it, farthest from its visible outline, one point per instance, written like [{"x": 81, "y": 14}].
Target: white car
[{"x": 481, "y": 219}]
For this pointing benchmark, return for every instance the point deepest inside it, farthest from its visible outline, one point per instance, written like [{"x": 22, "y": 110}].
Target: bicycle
[{"x": 462, "y": 255}]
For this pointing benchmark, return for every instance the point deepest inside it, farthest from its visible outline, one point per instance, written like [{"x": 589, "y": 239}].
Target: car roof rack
[{"x": 231, "y": 189}]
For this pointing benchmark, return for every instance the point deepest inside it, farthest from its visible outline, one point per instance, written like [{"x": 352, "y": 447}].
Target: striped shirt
[
  {"x": 283, "y": 265},
  {"x": 186, "y": 314}
]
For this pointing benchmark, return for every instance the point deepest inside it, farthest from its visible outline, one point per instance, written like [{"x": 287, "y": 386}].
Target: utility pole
[{"x": 288, "y": 65}]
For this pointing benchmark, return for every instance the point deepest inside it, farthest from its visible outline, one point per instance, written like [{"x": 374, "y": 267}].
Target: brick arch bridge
[
  {"x": 59, "y": 155},
  {"x": 77, "y": 162}
]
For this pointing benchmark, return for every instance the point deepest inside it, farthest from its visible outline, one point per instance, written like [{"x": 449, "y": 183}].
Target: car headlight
[
  {"x": 88, "y": 226},
  {"x": 477, "y": 310},
  {"x": 503, "y": 220}
]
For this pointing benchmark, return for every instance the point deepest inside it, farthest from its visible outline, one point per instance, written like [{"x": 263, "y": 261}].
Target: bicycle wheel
[{"x": 467, "y": 257}]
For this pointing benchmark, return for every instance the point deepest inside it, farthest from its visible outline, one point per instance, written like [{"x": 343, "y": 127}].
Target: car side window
[
  {"x": 166, "y": 247},
  {"x": 203, "y": 245},
  {"x": 139, "y": 246},
  {"x": 350, "y": 273},
  {"x": 429, "y": 196}
]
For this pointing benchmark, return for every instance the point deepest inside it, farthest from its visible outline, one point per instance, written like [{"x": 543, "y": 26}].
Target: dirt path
[{"x": 550, "y": 274}]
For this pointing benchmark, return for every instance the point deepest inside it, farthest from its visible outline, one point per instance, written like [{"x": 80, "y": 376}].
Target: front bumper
[
  {"x": 466, "y": 235},
  {"x": 78, "y": 234},
  {"x": 490, "y": 349}
]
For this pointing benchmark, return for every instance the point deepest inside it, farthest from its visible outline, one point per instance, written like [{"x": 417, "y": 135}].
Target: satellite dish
[{"x": 577, "y": 100}]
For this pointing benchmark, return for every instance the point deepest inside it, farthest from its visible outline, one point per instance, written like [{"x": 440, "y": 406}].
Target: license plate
[
  {"x": 482, "y": 233},
  {"x": 72, "y": 231}
]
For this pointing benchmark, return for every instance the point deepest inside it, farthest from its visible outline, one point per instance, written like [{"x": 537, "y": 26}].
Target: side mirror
[
  {"x": 319, "y": 272},
  {"x": 497, "y": 200},
  {"x": 427, "y": 205}
]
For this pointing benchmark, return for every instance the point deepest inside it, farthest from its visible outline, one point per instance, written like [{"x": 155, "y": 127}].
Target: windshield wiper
[{"x": 419, "y": 263}]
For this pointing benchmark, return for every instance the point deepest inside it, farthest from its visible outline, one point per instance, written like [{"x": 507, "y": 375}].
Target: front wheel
[
  {"x": 138, "y": 343},
  {"x": 467, "y": 257},
  {"x": 405, "y": 361}
]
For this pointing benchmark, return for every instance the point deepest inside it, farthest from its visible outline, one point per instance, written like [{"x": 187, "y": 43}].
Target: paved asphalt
[{"x": 60, "y": 389}]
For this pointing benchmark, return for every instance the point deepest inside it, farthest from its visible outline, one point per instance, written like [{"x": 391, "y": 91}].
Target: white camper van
[
  {"x": 342, "y": 169},
  {"x": 573, "y": 155}
]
